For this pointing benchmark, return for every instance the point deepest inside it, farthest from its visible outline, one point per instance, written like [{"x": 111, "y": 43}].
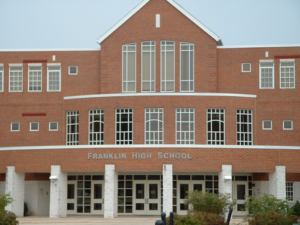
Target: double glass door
[{"x": 146, "y": 197}]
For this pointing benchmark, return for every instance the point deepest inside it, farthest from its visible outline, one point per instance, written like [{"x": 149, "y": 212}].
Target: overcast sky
[{"x": 34, "y": 24}]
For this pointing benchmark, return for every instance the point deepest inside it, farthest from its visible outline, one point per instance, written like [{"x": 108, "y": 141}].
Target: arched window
[
  {"x": 96, "y": 134},
  {"x": 216, "y": 126},
  {"x": 154, "y": 131}
]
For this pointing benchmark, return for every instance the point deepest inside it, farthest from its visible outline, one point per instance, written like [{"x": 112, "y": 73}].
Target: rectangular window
[
  {"x": 185, "y": 126},
  {"x": 288, "y": 124},
  {"x": 154, "y": 132},
  {"x": 287, "y": 74},
  {"x": 53, "y": 126},
  {"x": 244, "y": 127},
  {"x": 148, "y": 66},
  {"x": 129, "y": 67},
  {"x": 72, "y": 127},
  {"x": 96, "y": 134},
  {"x": 1, "y": 79},
  {"x": 34, "y": 78},
  {"x": 124, "y": 128},
  {"x": 266, "y": 75},
  {"x": 14, "y": 126},
  {"x": 54, "y": 78},
  {"x": 34, "y": 126},
  {"x": 246, "y": 67},
  {"x": 73, "y": 70},
  {"x": 167, "y": 66},
  {"x": 15, "y": 78},
  {"x": 289, "y": 186},
  {"x": 216, "y": 126},
  {"x": 186, "y": 67},
  {"x": 267, "y": 124}
]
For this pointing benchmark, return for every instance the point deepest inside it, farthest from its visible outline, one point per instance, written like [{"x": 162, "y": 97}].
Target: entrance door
[
  {"x": 97, "y": 197},
  {"x": 240, "y": 190},
  {"x": 146, "y": 197}
]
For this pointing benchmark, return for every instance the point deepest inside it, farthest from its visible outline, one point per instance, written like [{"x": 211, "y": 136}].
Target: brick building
[{"x": 161, "y": 108}]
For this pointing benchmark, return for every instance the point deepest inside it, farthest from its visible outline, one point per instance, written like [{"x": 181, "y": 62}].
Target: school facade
[{"x": 161, "y": 108}]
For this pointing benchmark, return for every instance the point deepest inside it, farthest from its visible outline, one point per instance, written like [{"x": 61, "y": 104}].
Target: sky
[{"x": 61, "y": 24}]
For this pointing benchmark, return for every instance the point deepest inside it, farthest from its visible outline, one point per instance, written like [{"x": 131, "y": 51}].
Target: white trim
[
  {"x": 266, "y": 61},
  {"x": 53, "y": 129},
  {"x": 259, "y": 46},
  {"x": 263, "y": 126},
  {"x": 38, "y": 65},
  {"x": 15, "y": 130},
  {"x": 49, "y": 50},
  {"x": 15, "y": 64},
  {"x": 280, "y": 76},
  {"x": 157, "y": 20},
  {"x": 73, "y": 73},
  {"x": 292, "y": 123},
  {"x": 160, "y": 94},
  {"x": 9, "y": 76},
  {"x": 178, "y": 7},
  {"x": 53, "y": 64},
  {"x": 48, "y": 80},
  {"x": 34, "y": 64},
  {"x": 246, "y": 71},
  {"x": 30, "y": 129},
  {"x": 273, "y": 74},
  {"x": 274, "y": 147},
  {"x": 287, "y": 60}
]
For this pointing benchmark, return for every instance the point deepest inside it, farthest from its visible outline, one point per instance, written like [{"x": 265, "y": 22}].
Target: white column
[
  {"x": 14, "y": 186},
  {"x": 110, "y": 192},
  {"x": 58, "y": 193},
  {"x": 225, "y": 180},
  {"x": 277, "y": 183},
  {"x": 167, "y": 188}
]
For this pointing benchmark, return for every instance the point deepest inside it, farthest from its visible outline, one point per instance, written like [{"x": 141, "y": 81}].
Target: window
[
  {"x": 287, "y": 74},
  {"x": 289, "y": 186},
  {"x": 73, "y": 70},
  {"x": 96, "y": 135},
  {"x": 167, "y": 66},
  {"x": 53, "y": 126},
  {"x": 124, "y": 127},
  {"x": 216, "y": 126},
  {"x": 266, "y": 75},
  {"x": 288, "y": 124},
  {"x": 244, "y": 127},
  {"x": 72, "y": 127},
  {"x": 129, "y": 67},
  {"x": 1, "y": 79},
  {"x": 34, "y": 126},
  {"x": 148, "y": 66},
  {"x": 185, "y": 126},
  {"x": 54, "y": 78},
  {"x": 186, "y": 67},
  {"x": 154, "y": 126},
  {"x": 267, "y": 125},
  {"x": 34, "y": 78},
  {"x": 14, "y": 126},
  {"x": 15, "y": 78},
  {"x": 246, "y": 67}
]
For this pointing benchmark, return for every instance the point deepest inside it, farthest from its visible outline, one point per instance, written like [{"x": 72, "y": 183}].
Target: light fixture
[
  {"x": 53, "y": 177},
  {"x": 227, "y": 177}
]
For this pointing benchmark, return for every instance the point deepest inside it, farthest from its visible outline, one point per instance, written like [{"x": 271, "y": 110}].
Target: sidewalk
[{"x": 92, "y": 220}]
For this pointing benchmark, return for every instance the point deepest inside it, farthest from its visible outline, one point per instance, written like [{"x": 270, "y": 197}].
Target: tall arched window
[
  {"x": 154, "y": 132},
  {"x": 216, "y": 126}
]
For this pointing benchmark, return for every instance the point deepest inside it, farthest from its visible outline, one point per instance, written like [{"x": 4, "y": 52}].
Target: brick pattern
[
  {"x": 37, "y": 176},
  {"x": 260, "y": 176}
]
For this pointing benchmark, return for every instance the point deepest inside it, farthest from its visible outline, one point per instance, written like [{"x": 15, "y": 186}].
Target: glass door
[
  {"x": 153, "y": 197},
  {"x": 97, "y": 197},
  {"x": 182, "y": 189},
  {"x": 240, "y": 190},
  {"x": 139, "y": 197}
]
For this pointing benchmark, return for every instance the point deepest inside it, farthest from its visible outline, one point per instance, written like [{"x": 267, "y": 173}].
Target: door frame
[{"x": 239, "y": 201}]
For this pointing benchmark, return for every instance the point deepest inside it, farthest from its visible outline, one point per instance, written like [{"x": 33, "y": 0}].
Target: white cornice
[
  {"x": 51, "y": 50},
  {"x": 258, "y": 46},
  {"x": 160, "y": 94},
  {"x": 271, "y": 147}
]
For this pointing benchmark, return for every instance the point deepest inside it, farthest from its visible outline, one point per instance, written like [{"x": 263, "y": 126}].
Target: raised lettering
[
  {"x": 100, "y": 156},
  {"x": 177, "y": 155},
  {"x": 149, "y": 155},
  {"x": 116, "y": 156},
  {"x": 143, "y": 155},
  {"x": 134, "y": 155},
  {"x": 172, "y": 155},
  {"x": 105, "y": 156},
  {"x": 90, "y": 155},
  {"x": 94, "y": 156},
  {"x": 123, "y": 155},
  {"x": 189, "y": 156},
  {"x": 183, "y": 156},
  {"x": 166, "y": 156},
  {"x": 160, "y": 155},
  {"x": 111, "y": 156}
]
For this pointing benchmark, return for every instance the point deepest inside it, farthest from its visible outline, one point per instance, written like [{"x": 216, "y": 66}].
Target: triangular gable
[{"x": 173, "y": 3}]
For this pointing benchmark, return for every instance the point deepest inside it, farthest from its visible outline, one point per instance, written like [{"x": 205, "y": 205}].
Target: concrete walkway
[{"x": 92, "y": 220}]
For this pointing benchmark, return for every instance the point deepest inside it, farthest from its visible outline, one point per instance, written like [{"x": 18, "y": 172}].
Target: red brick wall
[
  {"x": 293, "y": 177},
  {"x": 260, "y": 176},
  {"x": 37, "y": 176},
  {"x": 2, "y": 177}
]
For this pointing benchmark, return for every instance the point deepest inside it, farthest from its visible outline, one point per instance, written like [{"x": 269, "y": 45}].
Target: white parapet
[
  {"x": 225, "y": 180},
  {"x": 14, "y": 186},
  {"x": 167, "y": 188},
  {"x": 277, "y": 182},
  {"x": 58, "y": 193},
  {"x": 110, "y": 192}
]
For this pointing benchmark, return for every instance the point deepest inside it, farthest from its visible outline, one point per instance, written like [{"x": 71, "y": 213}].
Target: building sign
[{"x": 137, "y": 155}]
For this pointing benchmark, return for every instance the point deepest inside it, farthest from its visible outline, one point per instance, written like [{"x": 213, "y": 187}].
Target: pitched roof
[{"x": 173, "y": 3}]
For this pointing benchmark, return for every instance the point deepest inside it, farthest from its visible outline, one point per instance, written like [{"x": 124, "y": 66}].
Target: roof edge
[{"x": 259, "y": 46}]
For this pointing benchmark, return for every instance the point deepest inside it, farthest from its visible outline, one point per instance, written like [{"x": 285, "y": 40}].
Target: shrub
[
  {"x": 6, "y": 217},
  {"x": 25, "y": 209},
  {"x": 9, "y": 219},
  {"x": 209, "y": 202},
  {"x": 296, "y": 209},
  {"x": 4, "y": 201},
  {"x": 199, "y": 218},
  {"x": 271, "y": 218}
]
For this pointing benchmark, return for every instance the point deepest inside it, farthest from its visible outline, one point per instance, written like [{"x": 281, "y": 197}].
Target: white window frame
[
  {"x": 157, "y": 111},
  {"x": 273, "y": 72},
  {"x": 219, "y": 132},
  {"x": 249, "y": 113},
  {"x": 48, "y": 71},
  {"x": 151, "y": 52},
  {"x": 191, "y": 89},
  {"x": 292, "y": 123},
  {"x": 129, "y": 111},
  {"x": 263, "y": 125},
  {"x": 75, "y": 135},
  {"x": 30, "y": 126},
  {"x": 92, "y": 113},
  {"x": 287, "y": 61},
  {"x": 50, "y": 126},
  {"x": 2, "y": 77},
  {"x": 30, "y": 66},
  {"x": 73, "y": 73},
  {"x": 15, "y": 130},
  {"x": 9, "y": 84},
  {"x": 190, "y": 111},
  {"x": 161, "y": 59},
  {"x": 126, "y": 81},
  {"x": 246, "y": 71},
  {"x": 290, "y": 188}
]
